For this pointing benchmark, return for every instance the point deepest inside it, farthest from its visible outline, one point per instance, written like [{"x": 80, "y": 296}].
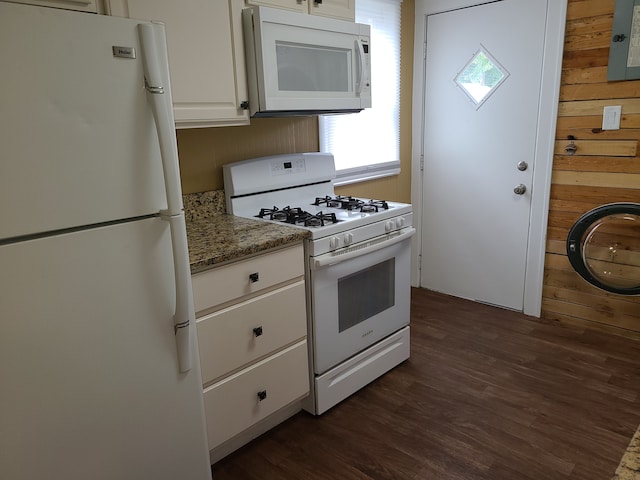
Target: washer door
[{"x": 604, "y": 247}]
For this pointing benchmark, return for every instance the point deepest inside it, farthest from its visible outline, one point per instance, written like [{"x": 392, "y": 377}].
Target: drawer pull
[
  {"x": 257, "y": 331},
  {"x": 254, "y": 277},
  {"x": 262, "y": 394}
]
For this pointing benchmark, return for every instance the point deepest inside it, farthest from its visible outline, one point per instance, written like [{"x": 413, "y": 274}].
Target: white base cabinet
[
  {"x": 252, "y": 341},
  {"x": 206, "y": 57}
]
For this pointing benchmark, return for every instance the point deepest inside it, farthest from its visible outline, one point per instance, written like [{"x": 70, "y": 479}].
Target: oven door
[{"x": 359, "y": 295}]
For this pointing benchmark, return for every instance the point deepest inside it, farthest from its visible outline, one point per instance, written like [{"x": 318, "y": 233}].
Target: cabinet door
[
  {"x": 342, "y": 9},
  {"x": 206, "y": 57},
  {"x": 81, "y": 5},
  {"x": 295, "y": 5}
]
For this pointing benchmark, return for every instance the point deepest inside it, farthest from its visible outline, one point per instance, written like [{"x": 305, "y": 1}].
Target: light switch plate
[{"x": 611, "y": 117}]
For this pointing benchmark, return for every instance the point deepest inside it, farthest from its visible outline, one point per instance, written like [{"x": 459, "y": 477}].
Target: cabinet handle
[
  {"x": 262, "y": 394},
  {"x": 254, "y": 277},
  {"x": 257, "y": 331}
]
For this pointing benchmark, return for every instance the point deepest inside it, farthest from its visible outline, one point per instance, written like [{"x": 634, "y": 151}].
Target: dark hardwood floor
[{"x": 487, "y": 394}]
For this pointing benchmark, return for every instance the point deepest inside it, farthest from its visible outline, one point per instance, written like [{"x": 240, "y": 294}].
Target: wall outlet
[{"x": 611, "y": 118}]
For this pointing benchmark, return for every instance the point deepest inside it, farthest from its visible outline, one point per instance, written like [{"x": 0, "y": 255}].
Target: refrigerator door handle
[
  {"x": 184, "y": 317},
  {"x": 156, "y": 71},
  {"x": 156, "y": 78}
]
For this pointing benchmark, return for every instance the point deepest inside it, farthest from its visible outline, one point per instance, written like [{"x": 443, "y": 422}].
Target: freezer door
[
  {"x": 89, "y": 380},
  {"x": 79, "y": 143}
]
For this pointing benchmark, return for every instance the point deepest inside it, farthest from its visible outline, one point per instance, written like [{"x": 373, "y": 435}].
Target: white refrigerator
[{"x": 99, "y": 371}]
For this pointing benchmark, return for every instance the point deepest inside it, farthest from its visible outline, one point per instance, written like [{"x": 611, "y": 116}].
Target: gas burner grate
[
  {"x": 328, "y": 201},
  {"x": 286, "y": 214},
  {"x": 374, "y": 206},
  {"x": 349, "y": 203},
  {"x": 345, "y": 202},
  {"x": 296, "y": 215},
  {"x": 320, "y": 219}
]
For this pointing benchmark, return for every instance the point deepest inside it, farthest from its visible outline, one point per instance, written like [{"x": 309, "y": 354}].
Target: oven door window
[{"x": 366, "y": 293}]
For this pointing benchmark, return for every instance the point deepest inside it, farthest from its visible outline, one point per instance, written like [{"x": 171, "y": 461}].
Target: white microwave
[{"x": 301, "y": 64}]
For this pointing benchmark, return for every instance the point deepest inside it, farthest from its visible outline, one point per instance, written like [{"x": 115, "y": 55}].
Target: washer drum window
[{"x": 604, "y": 247}]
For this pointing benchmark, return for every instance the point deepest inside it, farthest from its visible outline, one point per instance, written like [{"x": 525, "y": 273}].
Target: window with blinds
[{"x": 366, "y": 145}]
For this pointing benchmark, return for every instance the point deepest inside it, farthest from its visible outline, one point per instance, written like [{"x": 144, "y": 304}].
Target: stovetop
[
  {"x": 324, "y": 211},
  {"x": 298, "y": 190},
  {"x": 324, "y": 221}
]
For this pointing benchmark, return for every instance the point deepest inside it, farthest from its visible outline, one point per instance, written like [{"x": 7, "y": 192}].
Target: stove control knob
[
  {"x": 400, "y": 222},
  {"x": 334, "y": 242},
  {"x": 389, "y": 226},
  {"x": 348, "y": 238}
]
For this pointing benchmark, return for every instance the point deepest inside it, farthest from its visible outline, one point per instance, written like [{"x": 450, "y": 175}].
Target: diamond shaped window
[{"x": 480, "y": 77}]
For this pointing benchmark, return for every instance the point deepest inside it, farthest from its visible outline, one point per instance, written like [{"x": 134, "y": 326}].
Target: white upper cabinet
[
  {"x": 342, "y": 9},
  {"x": 206, "y": 57},
  {"x": 80, "y": 5}
]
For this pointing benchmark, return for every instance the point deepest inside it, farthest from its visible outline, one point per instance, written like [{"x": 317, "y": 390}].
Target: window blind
[{"x": 366, "y": 145}]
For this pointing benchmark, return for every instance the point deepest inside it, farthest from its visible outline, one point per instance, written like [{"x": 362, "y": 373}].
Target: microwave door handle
[{"x": 360, "y": 53}]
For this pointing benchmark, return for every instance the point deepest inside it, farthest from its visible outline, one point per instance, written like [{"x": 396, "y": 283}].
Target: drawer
[
  {"x": 227, "y": 340},
  {"x": 223, "y": 284},
  {"x": 233, "y": 404}
]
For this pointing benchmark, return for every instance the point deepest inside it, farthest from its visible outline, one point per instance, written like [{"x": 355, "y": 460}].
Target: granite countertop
[
  {"x": 629, "y": 468},
  {"x": 215, "y": 237},
  {"x": 222, "y": 238}
]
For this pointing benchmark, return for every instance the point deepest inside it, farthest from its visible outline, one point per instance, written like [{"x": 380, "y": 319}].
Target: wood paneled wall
[{"x": 604, "y": 169}]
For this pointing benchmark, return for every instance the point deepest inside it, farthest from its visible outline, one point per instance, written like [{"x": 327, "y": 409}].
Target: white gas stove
[
  {"x": 298, "y": 189},
  {"x": 357, "y": 266}
]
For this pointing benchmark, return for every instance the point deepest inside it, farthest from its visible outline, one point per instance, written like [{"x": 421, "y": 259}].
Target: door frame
[{"x": 544, "y": 145}]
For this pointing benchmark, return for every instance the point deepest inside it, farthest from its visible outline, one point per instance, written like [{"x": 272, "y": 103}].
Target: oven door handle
[{"x": 357, "y": 251}]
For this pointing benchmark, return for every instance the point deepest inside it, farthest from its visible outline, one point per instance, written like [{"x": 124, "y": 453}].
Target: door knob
[
  {"x": 520, "y": 189},
  {"x": 522, "y": 166}
]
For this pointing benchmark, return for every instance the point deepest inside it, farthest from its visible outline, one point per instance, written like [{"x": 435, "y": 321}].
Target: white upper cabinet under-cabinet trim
[
  {"x": 206, "y": 57},
  {"x": 342, "y": 9},
  {"x": 91, "y": 6}
]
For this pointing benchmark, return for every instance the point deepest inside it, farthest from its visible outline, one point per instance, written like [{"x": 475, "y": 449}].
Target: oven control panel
[
  {"x": 356, "y": 235},
  {"x": 280, "y": 166}
]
